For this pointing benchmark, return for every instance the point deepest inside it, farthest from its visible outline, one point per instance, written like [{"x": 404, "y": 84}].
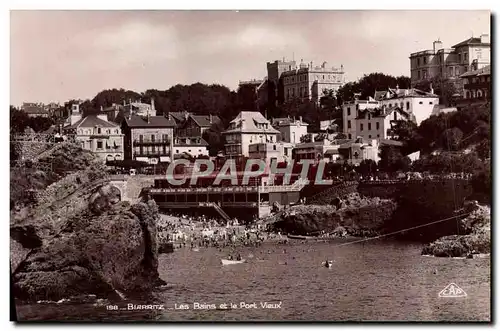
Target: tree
[
  {"x": 391, "y": 160},
  {"x": 367, "y": 167},
  {"x": 451, "y": 138},
  {"x": 368, "y": 84},
  {"x": 445, "y": 88}
]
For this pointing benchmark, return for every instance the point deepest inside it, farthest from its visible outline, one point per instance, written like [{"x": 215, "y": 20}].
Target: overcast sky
[{"x": 59, "y": 55}]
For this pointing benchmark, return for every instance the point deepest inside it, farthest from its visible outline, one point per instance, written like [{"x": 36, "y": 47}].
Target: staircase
[{"x": 219, "y": 210}]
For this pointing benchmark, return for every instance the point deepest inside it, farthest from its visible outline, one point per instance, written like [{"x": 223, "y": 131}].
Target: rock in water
[{"x": 101, "y": 254}]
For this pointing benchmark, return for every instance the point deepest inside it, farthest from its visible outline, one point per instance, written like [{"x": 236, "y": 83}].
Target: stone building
[
  {"x": 148, "y": 138},
  {"x": 291, "y": 129},
  {"x": 468, "y": 55},
  {"x": 97, "y": 135}
]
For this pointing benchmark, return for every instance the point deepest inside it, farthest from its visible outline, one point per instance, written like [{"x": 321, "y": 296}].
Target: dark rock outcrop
[
  {"x": 354, "y": 215},
  {"x": 476, "y": 236},
  {"x": 108, "y": 247}
]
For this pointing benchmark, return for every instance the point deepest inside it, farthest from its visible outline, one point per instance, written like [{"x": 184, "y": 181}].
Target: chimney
[
  {"x": 186, "y": 115},
  {"x": 148, "y": 118},
  {"x": 485, "y": 38},
  {"x": 406, "y": 91},
  {"x": 437, "y": 45},
  {"x": 102, "y": 108},
  {"x": 323, "y": 65},
  {"x": 124, "y": 103},
  {"x": 431, "y": 89},
  {"x": 300, "y": 119},
  {"x": 397, "y": 88},
  {"x": 152, "y": 104},
  {"x": 210, "y": 119}
]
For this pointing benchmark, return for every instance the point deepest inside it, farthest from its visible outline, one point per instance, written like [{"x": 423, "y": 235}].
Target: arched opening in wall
[
  {"x": 118, "y": 157},
  {"x": 479, "y": 93},
  {"x": 467, "y": 95},
  {"x": 109, "y": 158}
]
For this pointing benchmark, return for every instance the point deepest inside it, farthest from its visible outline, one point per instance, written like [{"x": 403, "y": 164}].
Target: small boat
[
  {"x": 228, "y": 262},
  {"x": 330, "y": 264}
]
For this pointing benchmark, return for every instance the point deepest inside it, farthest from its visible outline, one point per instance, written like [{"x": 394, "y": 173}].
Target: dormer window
[{"x": 98, "y": 130}]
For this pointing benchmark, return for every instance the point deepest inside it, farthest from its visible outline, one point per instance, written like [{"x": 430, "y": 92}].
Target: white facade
[
  {"x": 246, "y": 129},
  {"x": 291, "y": 129},
  {"x": 268, "y": 151},
  {"x": 350, "y": 111},
  {"x": 370, "y": 126}
]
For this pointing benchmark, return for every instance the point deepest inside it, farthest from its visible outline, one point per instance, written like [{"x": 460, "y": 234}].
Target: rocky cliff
[
  {"x": 354, "y": 215},
  {"x": 77, "y": 237}
]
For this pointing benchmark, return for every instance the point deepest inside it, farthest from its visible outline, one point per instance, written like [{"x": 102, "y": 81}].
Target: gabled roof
[
  {"x": 136, "y": 121},
  {"x": 485, "y": 71},
  {"x": 204, "y": 120},
  {"x": 246, "y": 122},
  {"x": 178, "y": 116},
  {"x": 402, "y": 93},
  {"x": 91, "y": 121},
  {"x": 471, "y": 41}
]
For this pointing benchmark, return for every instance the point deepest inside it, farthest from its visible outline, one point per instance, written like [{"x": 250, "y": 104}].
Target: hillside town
[{"x": 130, "y": 196}]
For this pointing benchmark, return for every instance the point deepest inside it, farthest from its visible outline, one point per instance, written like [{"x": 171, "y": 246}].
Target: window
[
  {"x": 390, "y": 105},
  {"x": 348, "y": 111},
  {"x": 164, "y": 137},
  {"x": 378, "y": 125},
  {"x": 425, "y": 60},
  {"x": 99, "y": 145},
  {"x": 369, "y": 117},
  {"x": 418, "y": 62},
  {"x": 350, "y": 136},
  {"x": 274, "y": 147},
  {"x": 407, "y": 105},
  {"x": 152, "y": 137},
  {"x": 349, "y": 124},
  {"x": 369, "y": 126},
  {"x": 153, "y": 149},
  {"x": 420, "y": 103},
  {"x": 141, "y": 137},
  {"x": 361, "y": 127},
  {"x": 430, "y": 102},
  {"x": 189, "y": 150},
  {"x": 378, "y": 136},
  {"x": 459, "y": 57},
  {"x": 395, "y": 116},
  {"x": 369, "y": 136},
  {"x": 176, "y": 151},
  {"x": 98, "y": 130}
]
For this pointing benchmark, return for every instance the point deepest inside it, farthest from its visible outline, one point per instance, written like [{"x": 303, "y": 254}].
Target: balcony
[
  {"x": 151, "y": 153},
  {"x": 152, "y": 142}
]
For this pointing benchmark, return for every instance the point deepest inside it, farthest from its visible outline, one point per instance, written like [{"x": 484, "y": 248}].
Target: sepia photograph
[{"x": 250, "y": 166}]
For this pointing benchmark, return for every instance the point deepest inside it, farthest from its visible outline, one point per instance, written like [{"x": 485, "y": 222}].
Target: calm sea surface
[{"x": 377, "y": 281}]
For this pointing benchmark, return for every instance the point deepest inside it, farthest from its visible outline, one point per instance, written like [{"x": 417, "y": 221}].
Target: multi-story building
[
  {"x": 477, "y": 84},
  {"x": 307, "y": 82},
  {"x": 271, "y": 152},
  {"x": 193, "y": 146},
  {"x": 148, "y": 138},
  {"x": 319, "y": 150},
  {"x": 287, "y": 81},
  {"x": 354, "y": 152},
  {"x": 350, "y": 112},
  {"x": 468, "y": 55},
  {"x": 96, "y": 134},
  {"x": 249, "y": 127},
  {"x": 35, "y": 110},
  {"x": 291, "y": 129},
  {"x": 417, "y": 103},
  {"x": 275, "y": 81},
  {"x": 377, "y": 123}
]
